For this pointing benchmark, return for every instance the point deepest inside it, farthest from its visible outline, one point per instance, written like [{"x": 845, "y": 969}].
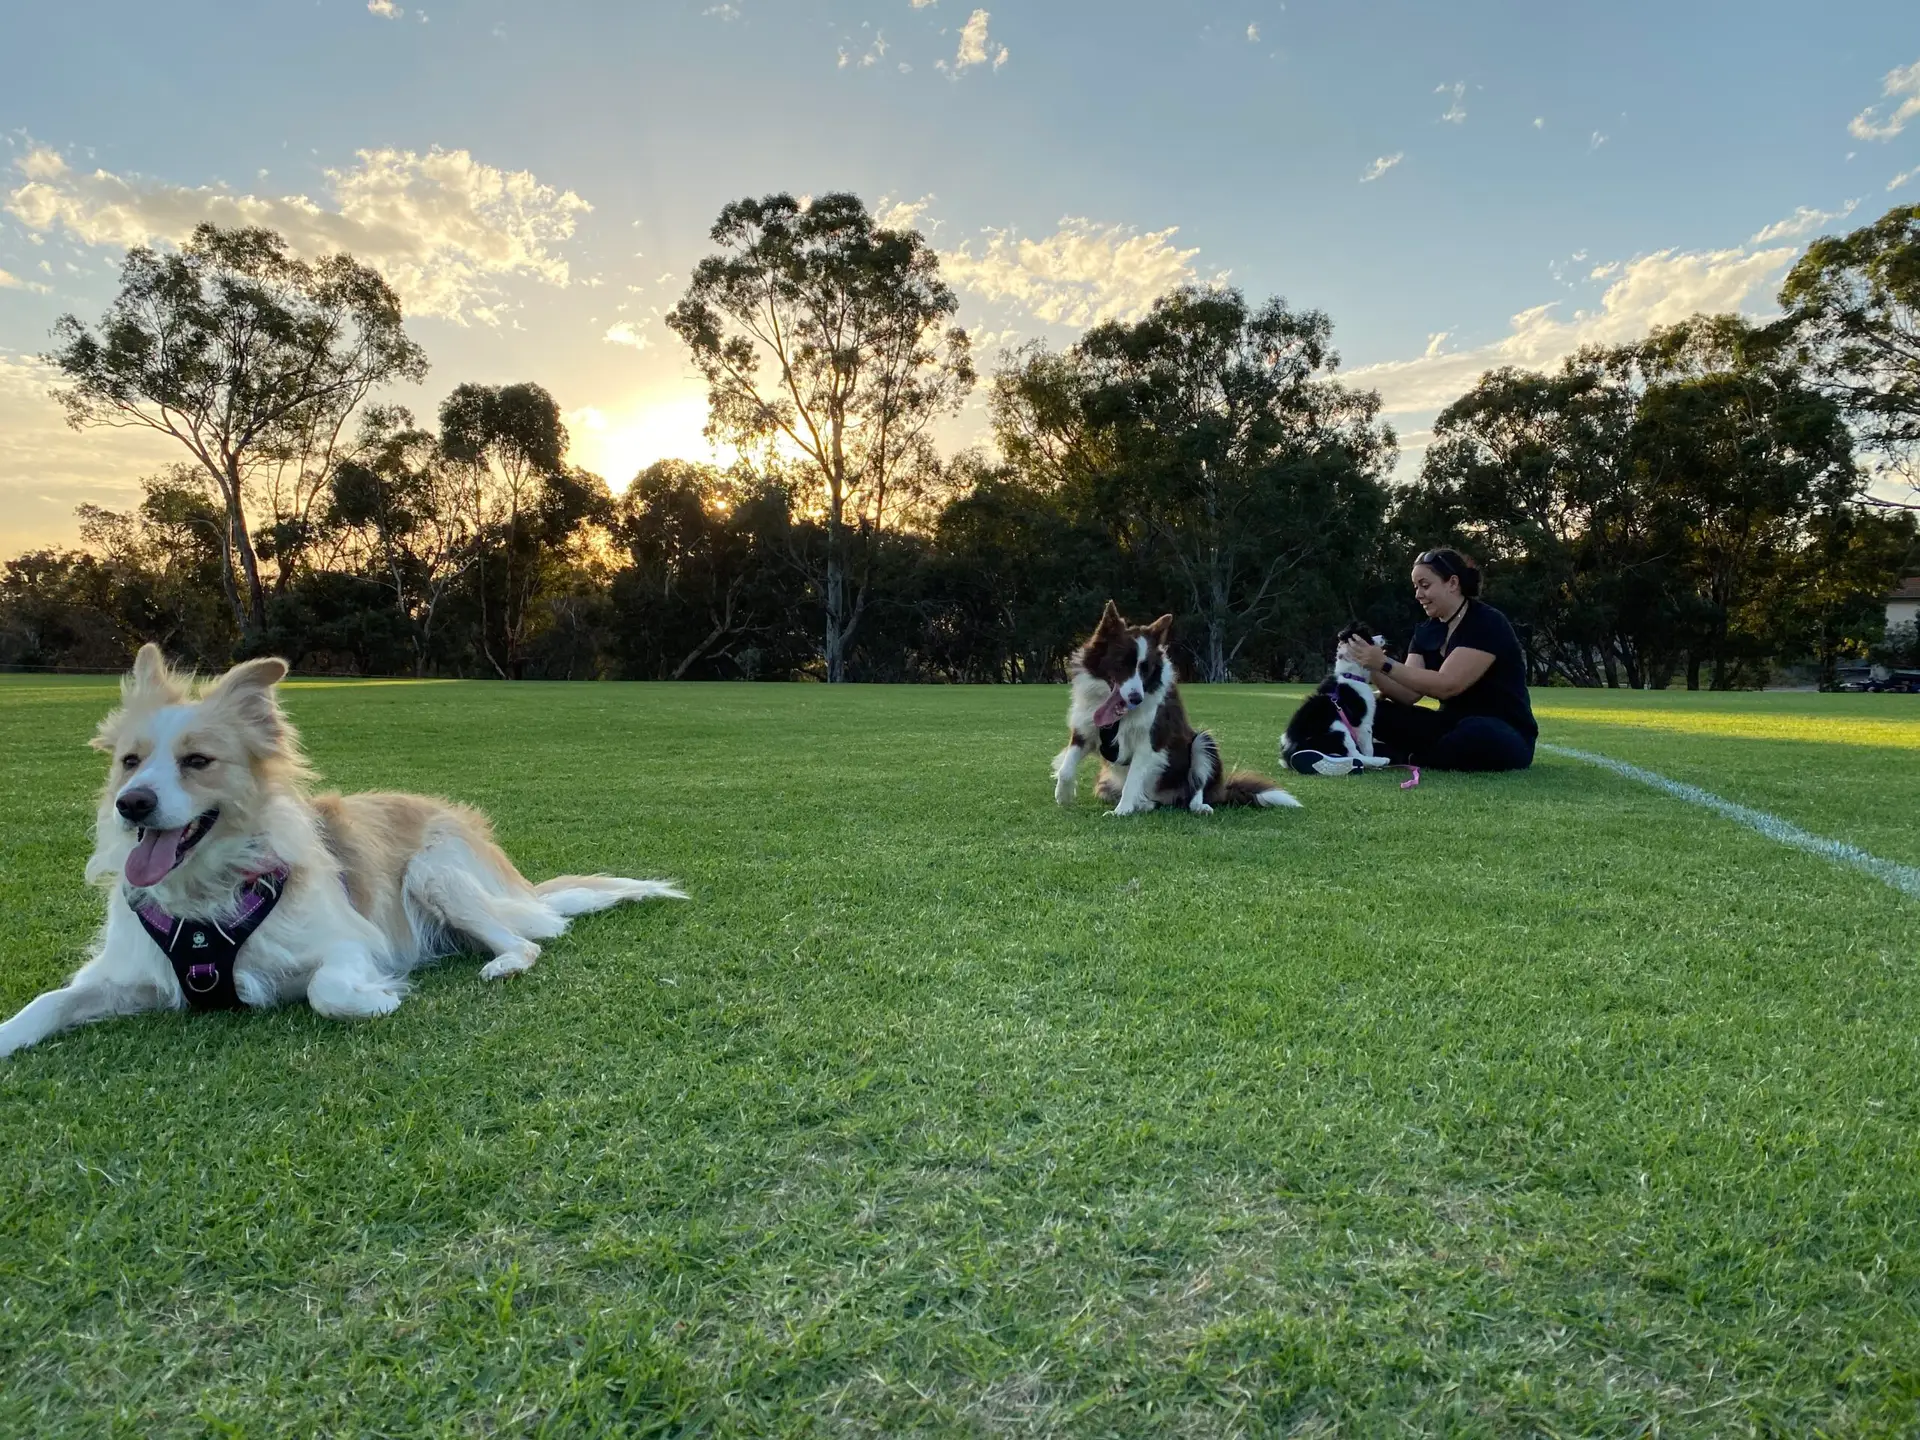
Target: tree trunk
[
  {"x": 836, "y": 596},
  {"x": 1693, "y": 670},
  {"x": 256, "y": 619}
]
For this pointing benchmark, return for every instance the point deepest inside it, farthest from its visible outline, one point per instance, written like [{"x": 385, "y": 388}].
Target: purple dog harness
[{"x": 203, "y": 952}]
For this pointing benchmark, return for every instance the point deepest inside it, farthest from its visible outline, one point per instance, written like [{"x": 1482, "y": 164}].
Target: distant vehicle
[{"x": 1877, "y": 680}]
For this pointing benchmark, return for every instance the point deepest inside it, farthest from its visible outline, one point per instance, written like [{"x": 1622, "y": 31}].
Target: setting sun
[{"x": 618, "y": 444}]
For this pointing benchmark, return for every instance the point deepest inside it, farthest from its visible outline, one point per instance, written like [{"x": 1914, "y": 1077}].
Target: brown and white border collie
[
  {"x": 207, "y": 800},
  {"x": 1126, "y": 705}
]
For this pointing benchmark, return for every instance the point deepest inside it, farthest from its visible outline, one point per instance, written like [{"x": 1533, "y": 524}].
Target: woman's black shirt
[{"x": 1502, "y": 691}]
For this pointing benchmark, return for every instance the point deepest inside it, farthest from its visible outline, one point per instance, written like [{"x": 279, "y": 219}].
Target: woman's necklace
[{"x": 1453, "y": 623}]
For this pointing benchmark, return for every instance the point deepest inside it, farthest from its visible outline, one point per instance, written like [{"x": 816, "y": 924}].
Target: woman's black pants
[{"x": 1414, "y": 735}]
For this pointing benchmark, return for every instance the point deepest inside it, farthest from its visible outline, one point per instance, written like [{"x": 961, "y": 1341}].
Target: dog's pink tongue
[
  {"x": 1111, "y": 709},
  {"x": 153, "y": 857}
]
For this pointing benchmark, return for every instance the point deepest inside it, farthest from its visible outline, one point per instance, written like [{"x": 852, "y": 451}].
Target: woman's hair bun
[{"x": 1451, "y": 564}]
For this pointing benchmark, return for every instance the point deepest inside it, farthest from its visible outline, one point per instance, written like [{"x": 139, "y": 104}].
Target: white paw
[
  {"x": 1131, "y": 807},
  {"x": 502, "y": 966},
  {"x": 1199, "y": 806},
  {"x": 1062, "y": 793}
]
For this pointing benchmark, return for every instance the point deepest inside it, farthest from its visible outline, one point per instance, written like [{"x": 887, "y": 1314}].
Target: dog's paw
[
  {"x": 512, "y": 963},
  {"x": 1131, "y": 807},
  {"x": 1199, "y": 806},
  {"x": 1062, "y": 793}
]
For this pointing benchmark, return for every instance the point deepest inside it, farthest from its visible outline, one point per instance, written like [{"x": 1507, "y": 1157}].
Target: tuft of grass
[{"x": 1536, "y": 1103}]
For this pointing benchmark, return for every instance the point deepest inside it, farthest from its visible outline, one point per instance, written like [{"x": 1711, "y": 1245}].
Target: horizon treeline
[{"x": 1692, "y": 508}]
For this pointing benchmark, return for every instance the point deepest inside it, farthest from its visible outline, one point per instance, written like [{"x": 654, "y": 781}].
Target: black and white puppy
[{"x": 1332, "y": 731}]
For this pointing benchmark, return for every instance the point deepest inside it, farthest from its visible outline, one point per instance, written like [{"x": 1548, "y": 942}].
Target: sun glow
[{"x": 619, "y": 444}]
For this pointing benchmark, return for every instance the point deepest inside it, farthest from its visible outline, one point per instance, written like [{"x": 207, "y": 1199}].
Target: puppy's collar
[{"x": 203, "y": 952}]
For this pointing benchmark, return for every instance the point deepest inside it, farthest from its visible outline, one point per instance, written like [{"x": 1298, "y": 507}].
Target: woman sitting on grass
[{"x": 1467, "y": 657}]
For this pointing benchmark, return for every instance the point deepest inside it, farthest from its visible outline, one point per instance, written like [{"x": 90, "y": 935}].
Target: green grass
[{"x": 1514, "y": 1104}]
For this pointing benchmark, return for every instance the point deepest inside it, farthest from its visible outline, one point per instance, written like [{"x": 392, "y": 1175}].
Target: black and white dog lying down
[{"x": 1332, "y": 731}]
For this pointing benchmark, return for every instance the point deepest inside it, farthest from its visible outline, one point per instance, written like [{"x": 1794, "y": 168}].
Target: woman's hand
[{"x": 1361, "y": 652}]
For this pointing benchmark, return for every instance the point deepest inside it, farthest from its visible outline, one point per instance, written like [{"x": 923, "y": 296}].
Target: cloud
[
  {"x": 1595, "y": 141},
  {"x": 923, "y": 4},
  {"x": 443, "y": 228},
  {"x": 976, "y": 48},
  {"x": 891, "y": 214},
  {"x": 1083, "y": 273},
  {"x": 1253, "y": 34},
  {"x": 1456, "y": 112},
  {"x": 1539, "y": 122},
  {"x": 1803, "y": 220},
  {"x": 46, "y": 470},
  {"x": 385, "y": 9},
  {"x": 625, "y": 333},
  {"x": 728, "y": 13},
  {"x": 9, "y": 281},
  {"x": 1381, "y": 165},
  {"x": 1652, "y": 290},
  {"x": 1903, "y": 85},
  {"x": 1903, "y": 177}
]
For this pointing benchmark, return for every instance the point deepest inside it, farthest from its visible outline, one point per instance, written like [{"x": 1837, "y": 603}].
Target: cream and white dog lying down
[{"x": 229, "y": 884}]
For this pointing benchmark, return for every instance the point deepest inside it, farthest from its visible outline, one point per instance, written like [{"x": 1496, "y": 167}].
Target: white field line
[{"x": 1904, "y": 878}]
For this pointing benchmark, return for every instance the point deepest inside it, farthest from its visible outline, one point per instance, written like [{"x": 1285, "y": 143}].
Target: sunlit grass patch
[{"x": 1889, "y": 733}]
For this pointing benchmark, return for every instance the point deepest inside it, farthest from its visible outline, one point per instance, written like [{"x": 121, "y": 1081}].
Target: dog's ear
[
  {"x": 151, "y": 680},
  {"x": 1110, "y": 620},
  {"x": 246, "y": 693},
  {"x": 1160, "y": 629}
]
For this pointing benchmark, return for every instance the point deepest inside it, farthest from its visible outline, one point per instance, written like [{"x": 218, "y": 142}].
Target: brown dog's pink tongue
[
  {"x": 1111, "y": 709},
  {"x": 153, "y": 857}
]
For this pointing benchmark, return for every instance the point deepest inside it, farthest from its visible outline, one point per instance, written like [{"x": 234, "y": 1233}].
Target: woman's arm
[
  {"x": 1410, "y": 681},
  {"x": 1391, "y": 686}
]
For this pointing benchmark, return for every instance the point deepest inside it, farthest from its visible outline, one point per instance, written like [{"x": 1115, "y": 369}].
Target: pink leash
[{"x": 1347, "y": 725}]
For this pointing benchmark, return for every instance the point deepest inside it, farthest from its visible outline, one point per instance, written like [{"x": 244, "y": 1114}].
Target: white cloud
[
  {"x": 1903, "y": 85},
  {"x": 1903, "y": 177},
  {"x": 442, "y": 227},
  {"x": 1456, "y": 112},
  {"x": 1539, "y": 122},
  {"x": 9, "y": 281},
  {"x": 723, "y": 12},
  {"x": 625, "y": 333},
  {"x": 1804, "y": 220},
  {"x": 1253, "y": 33},
  {"x": 46, "y": 470},
  {"x": 1595, "y": 141},
  {"x": 1653, "y": 290},
  {"x": 1381, "y": 165},
  {"x": 385, "y": 9},
  {"x": 1083, "y": 273},
  {"x": 976, "y": 48},
  {"x": 891, "y": 214},
  {"x": 923, "y": 4}
]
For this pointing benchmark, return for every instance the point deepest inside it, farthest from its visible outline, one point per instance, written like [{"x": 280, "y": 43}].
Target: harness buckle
[{"x": 202, "y": 978}]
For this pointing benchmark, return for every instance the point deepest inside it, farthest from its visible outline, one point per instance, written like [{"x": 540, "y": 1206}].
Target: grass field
[{"x": 1517, "y": 1104}]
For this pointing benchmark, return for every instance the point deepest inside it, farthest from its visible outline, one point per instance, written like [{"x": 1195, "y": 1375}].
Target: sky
[{"x": 1457, "y": 185}]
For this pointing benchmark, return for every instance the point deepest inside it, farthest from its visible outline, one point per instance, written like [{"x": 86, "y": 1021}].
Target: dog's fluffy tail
[
  {"x": 1205, "y": 778},
  {"x": 1248, "y": 787},
  {"x": 580, "y": 894}
]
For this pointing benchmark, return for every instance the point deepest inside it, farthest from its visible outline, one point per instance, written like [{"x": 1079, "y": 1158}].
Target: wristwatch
[{"x": 1386, "y": 665}]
